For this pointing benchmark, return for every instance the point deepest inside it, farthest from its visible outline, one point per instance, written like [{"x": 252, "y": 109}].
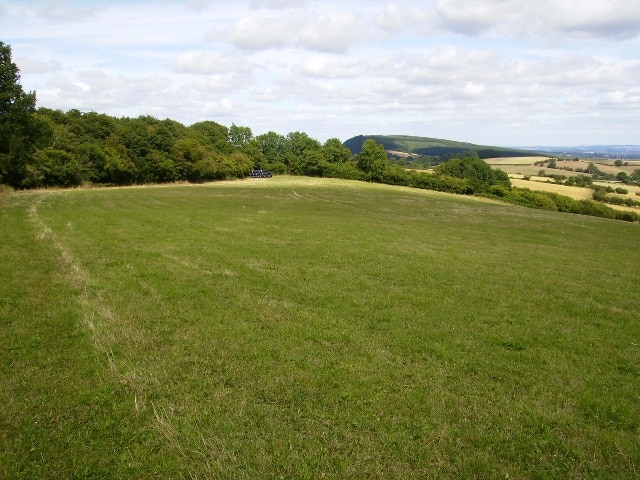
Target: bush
[
  {"x": 529, "y": 198},
  {"x": 600, "y": 195},
  {"x": 594, "y": 209},
  {"x": 348, "y": 171},
  {"x": 582, "y": 180},
  {"x": 621, "y": 191},
  {"x": 628, "y": 216},
  {"x": 498, "y": 191},
  {"x": 396, "y": 176}
]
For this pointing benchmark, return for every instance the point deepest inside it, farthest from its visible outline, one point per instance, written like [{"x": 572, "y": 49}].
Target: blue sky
[{"x": 497, "y": 72}]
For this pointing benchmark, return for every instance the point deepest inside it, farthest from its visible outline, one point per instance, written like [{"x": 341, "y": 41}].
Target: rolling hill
[{"x": 426, "y": 146}]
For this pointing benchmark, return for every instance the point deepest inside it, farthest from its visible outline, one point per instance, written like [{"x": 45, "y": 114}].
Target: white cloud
[
  {"x": 608, "y": 19},
  {"x": 332, "y": 32},
  {"x": 63, "y": 11},
  {"x": 329, "y": 66},
  {"x": 277, "y": 4},
  {"x": 36, "y": 66},
  {"x": 207, "y": 62},
  {"x": 496, "y": 72},
  {"x": 400, "y": 18}
]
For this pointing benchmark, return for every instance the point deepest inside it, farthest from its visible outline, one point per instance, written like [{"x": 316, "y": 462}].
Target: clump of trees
[{"x": 70, "y": 148}]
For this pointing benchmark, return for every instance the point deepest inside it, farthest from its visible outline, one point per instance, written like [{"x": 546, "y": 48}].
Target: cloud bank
[{"x": 501, "y": 72}]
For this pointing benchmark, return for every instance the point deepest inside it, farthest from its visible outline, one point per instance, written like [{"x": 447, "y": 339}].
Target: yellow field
[
  {"x": 632, "y": 189},
  {"x": 520, "y": 169},
  {"x": 515, "y": 160},
  {"x": 577, "y": 193}
]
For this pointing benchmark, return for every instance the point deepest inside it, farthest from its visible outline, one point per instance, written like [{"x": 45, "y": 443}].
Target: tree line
[{"x": 42, "y": 147}]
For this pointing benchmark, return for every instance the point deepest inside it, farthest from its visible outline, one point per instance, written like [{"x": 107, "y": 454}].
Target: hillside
[{"x": 426, "y": 146}]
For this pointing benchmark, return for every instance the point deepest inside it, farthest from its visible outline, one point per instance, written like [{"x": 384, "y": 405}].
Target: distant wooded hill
[{"x": 425, "y": 146}]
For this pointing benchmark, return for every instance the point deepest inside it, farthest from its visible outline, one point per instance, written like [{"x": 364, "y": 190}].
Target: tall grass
[{"x": 303, "y": 328}]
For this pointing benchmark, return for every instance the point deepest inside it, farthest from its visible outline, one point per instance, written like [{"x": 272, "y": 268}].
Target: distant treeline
[{"x": 430, "y": 152}]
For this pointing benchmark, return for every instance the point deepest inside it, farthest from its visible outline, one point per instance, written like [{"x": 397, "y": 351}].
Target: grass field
[{"x": 299, "y": 328}]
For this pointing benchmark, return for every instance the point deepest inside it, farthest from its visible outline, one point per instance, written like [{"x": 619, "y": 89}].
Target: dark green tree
[
  {"x": 275, "y": 149},
  {"x": 372, "y": 156},
  {"x": 478, "y": 172},
  {"x": 212, "y": 135},
  {"x": 335, "y": 152},
  {"x": 16, "y": 129}
]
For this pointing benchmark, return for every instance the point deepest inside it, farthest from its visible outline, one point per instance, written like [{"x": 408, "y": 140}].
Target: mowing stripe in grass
[{"x": 107, "y": 327}]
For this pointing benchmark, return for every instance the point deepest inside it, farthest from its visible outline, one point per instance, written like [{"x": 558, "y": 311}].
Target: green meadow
[{"x": 314, "y": 328}]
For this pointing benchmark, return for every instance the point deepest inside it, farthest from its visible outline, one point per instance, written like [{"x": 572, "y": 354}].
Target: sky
[{"x": 492, "y": 72}]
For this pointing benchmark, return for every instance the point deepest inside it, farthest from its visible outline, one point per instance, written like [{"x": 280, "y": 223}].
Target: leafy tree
[
  {"x": 16, "y": 128},
  {"x": 478, "y": 172},
  {"x": 240, "y": 137},
  {"x": 212, "y": 135},
  {"x": 159, "y": 168},
  {"x": 274, "y": 148},
  {"x": 57, "y": 168},
  {"x": 240, "y": 165},
  {"x": 299, "y": 142},
  {"x": 120, "y": 170},
  {"x": 623, "y": 177},
  {"x": 310, "y": 163},
  {"x": 304, "y": 154},
  {"x": 253, "y": 152},
  {"x": 335, "y": 152},
  {"x": 373, "y": 158},
  {"x": 582, "y": 181}
]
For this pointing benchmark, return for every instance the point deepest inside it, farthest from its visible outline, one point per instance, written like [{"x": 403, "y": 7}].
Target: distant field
[
  {"x": 514, "y": 160},
  {"x": 519, "y": 169},
  {"x": 576, "y": 193},
  {"x": 310, "y": 328},
  {"x": 632, "y": 189}
]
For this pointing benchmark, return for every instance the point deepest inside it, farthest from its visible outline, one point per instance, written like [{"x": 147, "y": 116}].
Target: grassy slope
[
  {"x": 413, "y": 144},
  {"x": 296, "y": 327},
  {"x": 410, "y": 143}
]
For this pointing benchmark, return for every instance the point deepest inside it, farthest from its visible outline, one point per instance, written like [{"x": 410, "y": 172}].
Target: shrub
[
  {"x": 498, "y": 191},
  {"x": 600, "y": 194},
  {"x": 529, "y": 198},
  {"x": 628, "y": 216}
]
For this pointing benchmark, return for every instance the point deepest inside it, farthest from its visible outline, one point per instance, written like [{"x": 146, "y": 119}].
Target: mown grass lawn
[{"x": 303, "y": 328}]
